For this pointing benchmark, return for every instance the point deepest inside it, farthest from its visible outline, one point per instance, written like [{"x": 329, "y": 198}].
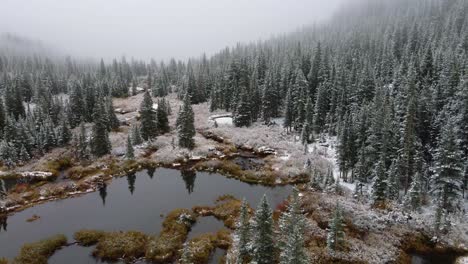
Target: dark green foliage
[
  {"x": 243, "y": 112},
  {"x": 185, "y": 124},
  {"x": 335, "y": 236},
  {"x": 263, "y": 237},
  {"x": 129, "y": 154},
  {"x": 162, "y": 122},
  {"x": 448, "y": 169},
  {"x": 99, "y": 142},
  {"x": 148, "y": 129},
  {"x": 114, "y": 122}
]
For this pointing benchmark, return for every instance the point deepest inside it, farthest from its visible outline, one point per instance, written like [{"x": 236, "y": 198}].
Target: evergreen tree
[
  {"x": 2, "y": 117},
  {"x": 149, "y": 129},
  {"x": 185, "y": 125},
  {"x": 413, "y": 200},
  {"x": 292, "y": 227},
  {"x": 82, "y": 146},
  {"x": 393, "y": 181},
  {"x": 135, "y": 134},
  {"x": 263, "y": 239},
  {"x": 335, "y": 236},
  {"x": 23, "y": 154},
  {"x": 243, "y": 114},
  {"x": 114, "y": 122},
  {"x": 289, "y": 113},
  {"x": 242, "y": 234},
  {"x": 99, "y": 142},
  {"x": 162, "y": 122},
  {"x": 447, "y": 180},
  {"x": 130, "y": 152},
  {"x": 76, "y": 105},
  {"x": 65, "y": 133},
  {"x": 380, "y": 182}
]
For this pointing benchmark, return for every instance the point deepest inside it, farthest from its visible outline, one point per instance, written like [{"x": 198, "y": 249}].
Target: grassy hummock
[
  {"x": 226, "y": 209},
  {"x": 88, "y": 237},
  {"x": 203, "y": 246},
  {"x": 175, "y": 229},
  {"x": 120, "y": 245},
  {"x": 39, "y": 252}
]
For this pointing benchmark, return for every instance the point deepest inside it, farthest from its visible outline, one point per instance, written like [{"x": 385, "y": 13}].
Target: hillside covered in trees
[{"x": 386, "y": 80}]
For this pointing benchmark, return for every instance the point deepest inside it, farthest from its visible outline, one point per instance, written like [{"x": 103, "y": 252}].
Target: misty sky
[{"x": 156, "y": 28}]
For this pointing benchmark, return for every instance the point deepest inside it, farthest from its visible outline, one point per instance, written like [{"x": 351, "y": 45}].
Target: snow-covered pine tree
[
  {"x": 135, "y": 134},
  {"x": 130, "y": 153},
  {"x": 413, "y": 199},
  {"x": 114, "y": 122},
  {"x": 99, "y": 143},
  {"x": 263, "y": 238},
  {"x": 291, "y": 238},
  {"x": 148, "y": 129},
  {"x": 242, "y": 235},
  {"x": 185, "y": 124},
  {"x": 162, "y": 122},
  {"x": 289, "y": 111},
  {"x": 82, "y": 147},
  {"x": 23, "y": 154},
  {"x": 448, "y": 168},
  {"x": 393, "y": 181},
  {"x": 379, "y": 187},
  {"x": 336, "y": 234},
  {"x": 65, "y": 133},
  {"x": 242, "y": 116}
]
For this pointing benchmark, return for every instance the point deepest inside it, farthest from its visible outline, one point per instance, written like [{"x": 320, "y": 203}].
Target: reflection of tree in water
[
  {"x": 3, "y": 223},
  {"x": 131, "y": 182},
  {"x": 189, "y": 178},
  {"x": 150, "y": 172},
  {"x": 103, "y": 192}
]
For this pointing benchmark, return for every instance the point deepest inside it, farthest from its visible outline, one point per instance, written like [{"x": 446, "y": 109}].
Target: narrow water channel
[{"x": 136, "y": 202}]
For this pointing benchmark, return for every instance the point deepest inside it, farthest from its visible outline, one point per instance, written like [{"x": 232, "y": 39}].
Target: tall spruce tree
[
  {"x": 243, "y": 113},
  {"x": 162, "y": 122},
  {"x": 99, "y": 142},
  {"x": 292, "y": 227},
  {"x": 380, "y": 182},
  {"x": 263, "y": 237},
  {"x": 130, "y": 153},
  {"x": 148, "y": 129},
  {"x": 185, "y": 124},
  {"x": 335, "y": 236},
  {"x": 448, "y": 168},
  {"x": 242, "y": 235}
]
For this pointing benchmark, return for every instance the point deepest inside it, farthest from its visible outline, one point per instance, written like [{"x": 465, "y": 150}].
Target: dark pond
[
  {"x": 433, "y": 258},
  {"x": 205, "y": 225},
  {"x": 135, "y": 202}
]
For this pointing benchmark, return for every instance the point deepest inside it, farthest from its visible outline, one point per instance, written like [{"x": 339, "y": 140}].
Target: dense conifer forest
[{"x": 387, "y": 79}]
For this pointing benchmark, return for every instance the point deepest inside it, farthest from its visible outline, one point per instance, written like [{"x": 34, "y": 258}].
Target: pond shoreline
[{"x": 219, "y": 164}]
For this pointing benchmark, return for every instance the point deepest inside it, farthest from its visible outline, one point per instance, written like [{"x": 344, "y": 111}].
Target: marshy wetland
[{"x": 139, "y": 202}]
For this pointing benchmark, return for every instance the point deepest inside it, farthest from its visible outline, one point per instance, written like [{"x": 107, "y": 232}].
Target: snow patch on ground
[
  {"x": 327, "y": 149},
  {"x": 221, "y": 119}
]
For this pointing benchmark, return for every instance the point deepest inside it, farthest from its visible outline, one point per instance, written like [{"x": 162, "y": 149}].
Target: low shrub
[
  {"x": 79, "y": 172},
  {"x": 56, "y": 165},
  {"x": 39, "y": 252}
]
